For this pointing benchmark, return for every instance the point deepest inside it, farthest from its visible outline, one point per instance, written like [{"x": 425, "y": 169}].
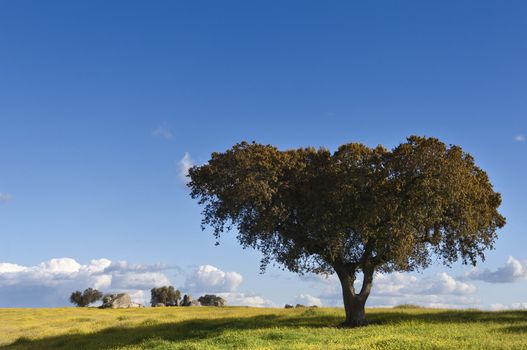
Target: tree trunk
[{"x": 354, "y": 303}]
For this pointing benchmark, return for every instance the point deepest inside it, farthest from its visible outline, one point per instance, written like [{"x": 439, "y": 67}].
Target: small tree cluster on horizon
[
  {"x": 169, "y": 296},
  {"x": 83, "y": 299},
  {"x": 166, "y": 295}
]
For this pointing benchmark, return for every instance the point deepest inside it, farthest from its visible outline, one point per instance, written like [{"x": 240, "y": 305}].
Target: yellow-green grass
[{"x": 253, "y": 328}]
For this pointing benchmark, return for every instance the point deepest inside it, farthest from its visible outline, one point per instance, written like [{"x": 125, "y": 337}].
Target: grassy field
[{"x": 252, "y": 328}]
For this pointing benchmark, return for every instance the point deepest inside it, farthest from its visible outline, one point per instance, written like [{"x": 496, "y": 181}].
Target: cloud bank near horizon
[
  {"x": 50, "y": 283},
  {"x": 441, "y": 290},
  {"x": 208, "y": 278}
]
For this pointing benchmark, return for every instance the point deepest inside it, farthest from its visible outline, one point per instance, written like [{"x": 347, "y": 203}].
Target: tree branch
[{"x": 367, "y": 281}]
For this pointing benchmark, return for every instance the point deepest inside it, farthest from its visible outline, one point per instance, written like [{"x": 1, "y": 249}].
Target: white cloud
[
  {"x": 441, "y": 290},
  {"x": 162, "y": 131},
  {"x": 6, "y": 268},
  {"x": 50, "y": 283},
  {"x": 64, "y": 266},
  {"x": 307, "y": 299},
  {"x": 512, "y": 271},
  {"x": 142, "y": 280},
  {"x": 513, "y": 306},
  {"x": 519, "y": 138},
  {"x": 185, "y": 164},
  {"x": 446, "y": 284},
  {"x": 5, "y": 197},
  {"x": 210, "y": 279},
  {"x": 242, "y": 299}
]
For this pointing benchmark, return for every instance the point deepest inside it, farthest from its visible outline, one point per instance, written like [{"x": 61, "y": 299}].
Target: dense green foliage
[
  {"x": 85, "y": 298},
  {"x": 167, "y": 295},
  {"x": 251, "y": 328},
  {"x": 359, "y": 209}
]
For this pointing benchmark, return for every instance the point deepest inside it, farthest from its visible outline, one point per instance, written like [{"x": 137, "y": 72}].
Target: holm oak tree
[
  {"x": 356, "y": 210},
  {"x": 85, "y": 298},
  {"x": 167, "y": 295}
]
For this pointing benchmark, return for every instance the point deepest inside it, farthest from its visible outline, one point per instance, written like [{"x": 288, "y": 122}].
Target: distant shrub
[
  {"x": 85, "y": 298},
  {"x": 167, "y": 295},
  {"x": 407, "y": 306},
  {"x": 211, "y": 300}
]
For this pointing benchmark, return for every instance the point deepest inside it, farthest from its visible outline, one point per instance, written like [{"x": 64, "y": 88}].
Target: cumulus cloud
[
  {"x": 307, "y": 299},
  {"x": 512, "y": 271},
  {"x": 243, "y": 299},
  {"x": 5, "y": 197},
  {"x": 11, "y": 268},
  {"x": 210, "y": 279},
  {"x": 411, "y": 287},
  {"x": 185, "y": 164},
  {"x": 50, "y": 283},
  {"x": 446, "y": 284},
  {"x": 143, "y": 280},
  {"x": 519, "y": 138},
  {"x": 162, "y": 131}
]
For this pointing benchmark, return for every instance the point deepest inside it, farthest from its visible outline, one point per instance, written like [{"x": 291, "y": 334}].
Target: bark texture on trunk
[{"x": 354, "y": 303}]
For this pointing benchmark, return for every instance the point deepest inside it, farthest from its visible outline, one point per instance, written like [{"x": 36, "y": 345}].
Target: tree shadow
[
  {"x": 175, "y": 331},
  {"x": 515, "y": 329},
  {"x": 516, "y": 322},
  {"x": 449, "y": 316}
]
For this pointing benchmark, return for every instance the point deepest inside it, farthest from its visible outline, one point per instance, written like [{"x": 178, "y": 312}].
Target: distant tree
[
  {"x": 85, "y": 298},
  {"x": 357, "y": 210},
  {"x": 211, "y": 300},
  {"x": 167, "y": 295}
]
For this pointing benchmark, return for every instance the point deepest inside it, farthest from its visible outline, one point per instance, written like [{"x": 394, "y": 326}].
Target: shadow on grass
[
  {"x": 515, "y": 329},
  {"x": 175, "y": 331},
  {"x": 450, "y": 316},
  {"x": 514, "y": 322}
]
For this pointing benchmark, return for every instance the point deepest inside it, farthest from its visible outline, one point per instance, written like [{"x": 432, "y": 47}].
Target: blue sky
[{"x": 100, "y": 101}]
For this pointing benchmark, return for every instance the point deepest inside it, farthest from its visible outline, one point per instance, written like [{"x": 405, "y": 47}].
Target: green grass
[{"x": 251, "y": 328}]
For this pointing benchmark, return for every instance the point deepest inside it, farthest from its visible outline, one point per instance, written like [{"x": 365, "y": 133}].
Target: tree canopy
[
  {"x": 166, "y": 295},
  {"x": 89, "y": 296},
  {"x": 356, "y": 209}
]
